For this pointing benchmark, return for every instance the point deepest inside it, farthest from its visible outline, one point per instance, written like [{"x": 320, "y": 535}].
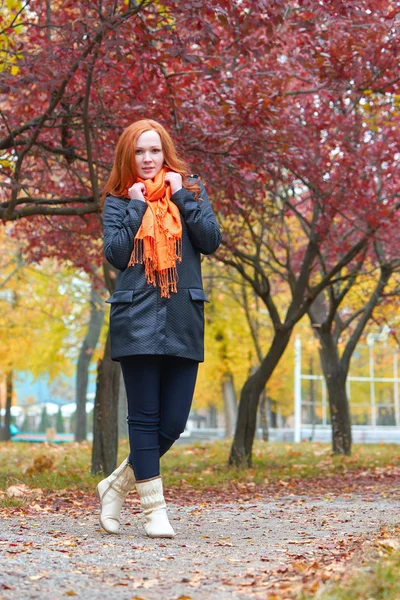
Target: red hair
[{"x": 123, "y": 174}]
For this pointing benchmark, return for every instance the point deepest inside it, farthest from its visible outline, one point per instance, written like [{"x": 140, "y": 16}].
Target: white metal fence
[{"x": 375, "y": 412}]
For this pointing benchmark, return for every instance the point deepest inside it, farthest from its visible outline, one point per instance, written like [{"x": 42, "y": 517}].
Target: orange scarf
[{"x": 159, "y": 236}]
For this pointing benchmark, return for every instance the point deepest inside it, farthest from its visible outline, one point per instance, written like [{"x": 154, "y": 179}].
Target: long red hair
[{"x": 123, "y": 174}]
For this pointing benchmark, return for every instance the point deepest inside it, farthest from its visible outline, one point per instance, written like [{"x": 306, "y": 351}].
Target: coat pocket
[
  {"x": 121, "y": 296},
  {"x": 198, "y": 294}
]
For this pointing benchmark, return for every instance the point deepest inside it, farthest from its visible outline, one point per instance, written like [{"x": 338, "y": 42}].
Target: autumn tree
[
  {"x": 324, "y": 167},
  {"x": 87, "y": 349},
  {"x": 235, "y": 330},
  {"x": 339, "y": 324}
]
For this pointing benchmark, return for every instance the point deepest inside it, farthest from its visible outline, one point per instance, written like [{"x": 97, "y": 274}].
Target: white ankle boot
[
  {"x": 154, "y": 508},
  {"x": 112, "y": 492}
]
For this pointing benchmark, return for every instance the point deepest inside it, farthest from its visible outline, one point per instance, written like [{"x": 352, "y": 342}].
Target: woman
[{"x": 157, "y": 221}]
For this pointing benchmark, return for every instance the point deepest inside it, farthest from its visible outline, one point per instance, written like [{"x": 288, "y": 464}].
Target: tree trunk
[
  {"x": 5, "y": 430},
  {"x": 9, "y": 394},
  {"x": 213, "y": 415},
  {"x": 336, "y": 368},
  {"x": 264, "y": 416},
  {"x": 230, "y": 405},
  {"x": 242, "y": 446},
  {"x": 82, "y": 371},
  {"x": 122, "y": 409},
  {"x": 312, "y": 399},
  {"x": 335, "y": 377},
  {"x": 105, "y": 421},
  {"x": 340, "y": 416},
  {"x": 273, "y": 417}
]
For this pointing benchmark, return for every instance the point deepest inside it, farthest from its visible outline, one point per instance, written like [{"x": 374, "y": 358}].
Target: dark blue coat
[{"x": 141, "y": 322}]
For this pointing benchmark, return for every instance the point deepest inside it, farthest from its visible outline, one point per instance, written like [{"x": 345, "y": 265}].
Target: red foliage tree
[{"x": 325, "y": 147}]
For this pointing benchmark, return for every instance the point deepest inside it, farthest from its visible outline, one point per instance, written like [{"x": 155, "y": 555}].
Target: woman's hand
[
  {"x": 174, "y": 180},
  {"x": 137, "y": 191}
]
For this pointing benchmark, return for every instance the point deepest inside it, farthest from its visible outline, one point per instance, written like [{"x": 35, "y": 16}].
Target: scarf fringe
[{"x": 166, "y": 279}]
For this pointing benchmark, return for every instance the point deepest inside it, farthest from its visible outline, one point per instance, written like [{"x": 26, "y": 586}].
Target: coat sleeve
[
  {"x": 202, "y": 227},
  {"x": 121, "y": 221}
]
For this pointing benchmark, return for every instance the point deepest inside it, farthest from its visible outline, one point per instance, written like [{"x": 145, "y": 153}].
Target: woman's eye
[
  {"x": 138, "y": 151},
  {"x": 156, "y": 150}
]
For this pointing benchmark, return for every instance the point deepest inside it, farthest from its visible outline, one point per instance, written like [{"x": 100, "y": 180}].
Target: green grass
[
  {"x": 206, "y": 465},
  {"x": 198, "y": 465},
  {"x": 377, "y": 578},
  {"x": 10, "y": 502}
]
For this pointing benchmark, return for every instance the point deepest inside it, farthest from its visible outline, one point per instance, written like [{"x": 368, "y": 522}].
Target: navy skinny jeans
[{"x": 160, "y": 390}]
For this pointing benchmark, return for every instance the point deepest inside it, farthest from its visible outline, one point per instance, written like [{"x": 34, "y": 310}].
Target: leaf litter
[{"x": 271, "y": 543}]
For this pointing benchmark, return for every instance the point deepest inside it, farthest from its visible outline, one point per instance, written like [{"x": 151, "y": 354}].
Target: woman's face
[{"x": 149, "y": 155}]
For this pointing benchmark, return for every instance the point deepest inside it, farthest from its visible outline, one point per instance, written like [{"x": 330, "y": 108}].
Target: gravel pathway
[{"x": 221, "y": 551}]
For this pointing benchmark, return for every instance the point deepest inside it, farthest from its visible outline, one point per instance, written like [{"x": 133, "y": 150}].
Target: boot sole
[{"x": 100, "y": 521}]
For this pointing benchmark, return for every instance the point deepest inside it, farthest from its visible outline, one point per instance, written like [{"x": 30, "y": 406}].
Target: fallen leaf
[
  {"x": 299, "y": 566},
  {"x": 222, "y": 543},
  {"x": 17, "y": 491},
  {"x": 150, "y": 583},
  {"x": 389, "y": 544}
]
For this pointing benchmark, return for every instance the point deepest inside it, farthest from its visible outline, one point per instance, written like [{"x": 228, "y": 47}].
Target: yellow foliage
[
  {"x": 12, "y": 15},
  {"x": 229, "y": 345},
  {"x": 44, "y": 310}
]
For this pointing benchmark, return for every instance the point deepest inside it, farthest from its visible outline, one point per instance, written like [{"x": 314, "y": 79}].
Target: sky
[{"x": 60, "y": 391}]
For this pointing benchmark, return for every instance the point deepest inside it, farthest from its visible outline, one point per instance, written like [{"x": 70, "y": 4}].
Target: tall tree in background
[
  {"x": 231, "y": 340},
  {"x": 338, "y": 322},
  {"x": 96, "y": 318},
  {"x": 332, "y": 149}
]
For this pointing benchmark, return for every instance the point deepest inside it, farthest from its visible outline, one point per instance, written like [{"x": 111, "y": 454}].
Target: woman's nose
[{"x": 147, "y": 157}]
